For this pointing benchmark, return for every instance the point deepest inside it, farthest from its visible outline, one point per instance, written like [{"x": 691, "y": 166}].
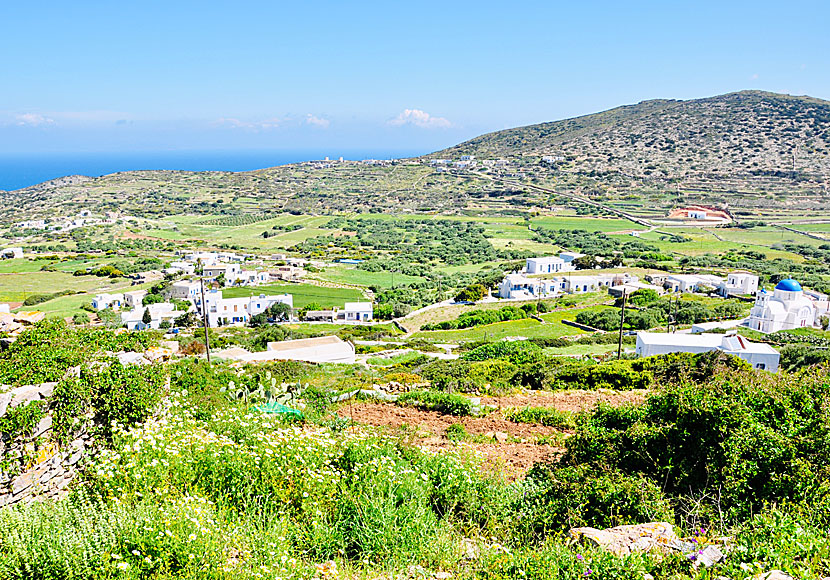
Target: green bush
[
  {"x": 554, "y": 499},
  {"x": 740, "y": 438},
  {"x": 517, "y": 352},
  {"x": 445, "y": 403},
  {"x": 547, "y": 416}
]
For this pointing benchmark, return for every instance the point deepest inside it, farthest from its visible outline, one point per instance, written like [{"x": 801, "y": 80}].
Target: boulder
[{"x": 624, "y": 540}]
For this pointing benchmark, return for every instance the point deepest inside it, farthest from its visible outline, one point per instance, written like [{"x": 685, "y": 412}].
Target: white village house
[
  {"x": 759, "y": 355},
  {"x": 102, "y": 301},
  {"x": 551, "y": 264},
  {"x": 238, "y": 311},
  {"x": 739, "y": 283},
  {"x": 11, "y": 253},
  {"x": 691, "y": 282}
]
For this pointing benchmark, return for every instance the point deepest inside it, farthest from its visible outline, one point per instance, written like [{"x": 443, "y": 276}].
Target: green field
[
  {"x": 585, "y": 223},
  {"x": 303, "y": 293},
  {"x": 528, "y": 328},
  {"x": 344, "y": 274}
]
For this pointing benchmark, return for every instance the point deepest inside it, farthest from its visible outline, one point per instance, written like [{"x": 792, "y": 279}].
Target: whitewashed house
[
  {"x": 133, "y": 299},
  {"x": 357, "y": 312},
  {"x": 548, "y": 265},
  {"x": 238, "y": 311},
  {"x": 759, "y": 355},
  {"x": 231, "y": 272},
  {"x": 738, "y": 283},
  {"x": 11, "y": 253},
  {"x": 186, "y": 290},
  {"x": 159, "y": 312},
  {"x": 692, "y": 282},
  {"x": 102, "y": 301},
  {"x": 520, "y": 287}
]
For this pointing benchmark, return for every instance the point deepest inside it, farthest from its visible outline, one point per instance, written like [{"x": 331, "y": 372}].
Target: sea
[{"x": 22, "y": 170}]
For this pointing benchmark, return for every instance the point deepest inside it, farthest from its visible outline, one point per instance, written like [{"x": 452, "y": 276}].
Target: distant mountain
[{"x": 743, "y": 133}]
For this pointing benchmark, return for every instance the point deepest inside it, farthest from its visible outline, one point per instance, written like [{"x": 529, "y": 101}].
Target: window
[{"x": 761, "y": 366}]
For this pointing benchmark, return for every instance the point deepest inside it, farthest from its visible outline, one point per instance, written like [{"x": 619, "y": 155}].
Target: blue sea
[{"x": 22, "y": 170}]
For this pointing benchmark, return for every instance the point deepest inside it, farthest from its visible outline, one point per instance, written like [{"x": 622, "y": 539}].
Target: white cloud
[
  {"x": 317, "y": 121},
  {"x": 33, "y": 120},
  {"x": 419, "y": 118},
  {"x": 235, "y": 123}
]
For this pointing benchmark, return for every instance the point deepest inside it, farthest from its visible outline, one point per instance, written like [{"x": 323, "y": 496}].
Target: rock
[
  {"x": 22, "y": 482},
  {"x": 500, "y": 436},
  {"x": 25, "y": 394},
  {"x": 5, "y": 399},
  {"x": 624, "y": 540},
  {"x": 43, "y": 426},
  {"x": 47, "y": 390},
  {"x": 707, "y": 557}
]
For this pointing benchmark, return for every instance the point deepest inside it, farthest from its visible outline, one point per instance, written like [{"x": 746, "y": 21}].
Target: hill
[
  {"x": 750, "y": 132},
  {"x": 762, "y": 155}
]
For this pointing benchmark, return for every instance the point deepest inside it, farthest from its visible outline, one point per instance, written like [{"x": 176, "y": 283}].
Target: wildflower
[{"x": 580, "y": 557}]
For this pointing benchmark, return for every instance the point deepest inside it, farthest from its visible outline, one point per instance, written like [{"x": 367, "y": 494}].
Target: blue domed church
[{"x": 786, "y": 308}]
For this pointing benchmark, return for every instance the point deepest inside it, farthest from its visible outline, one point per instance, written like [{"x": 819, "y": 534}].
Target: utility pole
[
  {"x": 622, "y": 321},
  {"x": 205, "y": 318}
]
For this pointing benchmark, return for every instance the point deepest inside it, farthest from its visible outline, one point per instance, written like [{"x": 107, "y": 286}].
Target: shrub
[
  {"x": 555, "y": 499},
  {"x": 748, "y": 438},
  {"x": 517, "y": 352},
  {"x": 547, "y": 416}
]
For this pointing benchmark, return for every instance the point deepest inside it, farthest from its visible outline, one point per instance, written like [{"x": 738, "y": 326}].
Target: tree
[
  {"x": 186, "y": 320},
  {"x": 587, "y": 262},
  {"x": 472, "y": 293},
  {"x": 151, "y": 299},
  {"x": 824, "y": 321},
  {"x": 644, "y": 297},
  {"x": 146, "y": 318}
]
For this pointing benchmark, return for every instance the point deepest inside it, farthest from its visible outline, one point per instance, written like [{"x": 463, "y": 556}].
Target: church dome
[{"x": 788, "y": 285}]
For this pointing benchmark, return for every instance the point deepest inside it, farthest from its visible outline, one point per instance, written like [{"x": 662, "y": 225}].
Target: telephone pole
[
  {"x": 205, "y": 318},
  {"x": 622, "y": 321}
]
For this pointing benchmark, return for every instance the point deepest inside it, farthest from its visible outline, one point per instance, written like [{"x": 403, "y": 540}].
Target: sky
[{"x": 177, "y": 75}]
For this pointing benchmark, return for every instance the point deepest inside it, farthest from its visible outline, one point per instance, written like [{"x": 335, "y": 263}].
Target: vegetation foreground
[{"x": 193, "y": 479}]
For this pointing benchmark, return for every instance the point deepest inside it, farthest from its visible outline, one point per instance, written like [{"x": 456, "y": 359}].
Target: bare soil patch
[{"x": 525, "y": 444}]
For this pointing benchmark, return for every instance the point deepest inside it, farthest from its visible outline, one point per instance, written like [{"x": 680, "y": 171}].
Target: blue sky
[{"x": 181, "y": 75}]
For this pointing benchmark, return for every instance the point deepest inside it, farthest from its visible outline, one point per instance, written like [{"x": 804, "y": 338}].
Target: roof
[
  {"x": 730, "y": 343},
  {"x": 788, "y": 285},
  {"x": 359, "y": 306}
]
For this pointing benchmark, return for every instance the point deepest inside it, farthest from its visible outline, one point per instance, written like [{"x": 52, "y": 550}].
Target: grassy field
[
  {"x": 527, "y": 328},
  {"x": 344, "y": 274},
  {"x": 16, "y": 287},
  {"x": 585, "y": 223},
  {"x": 303, "y": 293}
]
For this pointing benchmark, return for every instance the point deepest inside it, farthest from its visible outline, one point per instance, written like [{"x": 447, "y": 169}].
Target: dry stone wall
[{"x": 33, "y": 465}]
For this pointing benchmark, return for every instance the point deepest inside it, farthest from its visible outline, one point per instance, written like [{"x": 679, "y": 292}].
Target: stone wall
[{"x": 35, "y": 467}]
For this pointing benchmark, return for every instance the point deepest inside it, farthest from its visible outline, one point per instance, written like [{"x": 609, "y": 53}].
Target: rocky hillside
[{"x": 748, "y": 132}]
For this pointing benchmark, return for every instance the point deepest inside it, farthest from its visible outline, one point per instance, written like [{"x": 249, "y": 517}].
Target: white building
[
  {"x": 759, "y": 355},
  {"x": 159, "y": 312},
  {"x": 582, "y": 284},
  {"x": 739, "y": 283},
  {"x": 785, "y": 309},
  {"x": 102, "y": 301},
  {"x": 692, "y": 282},
  {"x": 5, "y": 308},
  {"x": 357, "y": 312},
  {"x": 186, "y": 290},
  {"x": 549, "y": 265},
  {"x": 231, "y": 272},
  {"x": 238, "y": 311},
  {"x": 11, "y": 253},
  {"x": 520, "y": 287},
  {"x": 133, "y": 299},
  {"x": 182, "y": 267}
]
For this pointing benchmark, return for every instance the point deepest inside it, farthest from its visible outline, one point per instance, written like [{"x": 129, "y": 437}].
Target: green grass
[
  {"x": 303, "y": 293},
  {"x": 586, "y": 223},
  {"x": 16, "y": 287},
  {"x": 528, "y": 328},
  {"x": 343, "y": 274}
]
